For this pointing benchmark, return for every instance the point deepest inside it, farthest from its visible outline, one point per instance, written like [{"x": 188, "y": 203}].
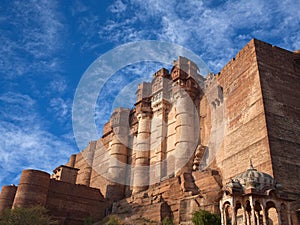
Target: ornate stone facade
[{"x": 187, "y": 142}]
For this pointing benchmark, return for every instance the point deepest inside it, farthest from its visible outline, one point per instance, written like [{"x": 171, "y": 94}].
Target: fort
[{"x": 228, "y": 143}]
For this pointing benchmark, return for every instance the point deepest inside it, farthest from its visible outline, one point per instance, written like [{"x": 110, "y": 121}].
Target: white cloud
[
  {"x": 25, "y": 140},
  {"x": 33, "y": 38},
  {"x": 58, "y": 85},
  {"x": 78, "y": 7},
  {"x": 117, "y": 7},
  {"x": 215, "y": 32},
  {"x": 17, "y": 107},
  {"x": 61, "y": 108}
]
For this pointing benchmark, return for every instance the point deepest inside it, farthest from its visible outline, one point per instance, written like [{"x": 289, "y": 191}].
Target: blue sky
[{"x": 46, "y": 46}]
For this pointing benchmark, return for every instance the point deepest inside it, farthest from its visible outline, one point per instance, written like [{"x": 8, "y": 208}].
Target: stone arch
[
  {"x": 258, "y": 212},
  {"x": 248, "y": 209},
  {"x": 239, "y": 210},
  {"x": 272, "y": 213},
  {"x": 227, "y": 207}
]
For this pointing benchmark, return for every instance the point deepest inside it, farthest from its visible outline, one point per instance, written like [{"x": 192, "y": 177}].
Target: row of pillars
[
  {"x": 252, "y": 216},
  {"x": 184, "y": 144}
]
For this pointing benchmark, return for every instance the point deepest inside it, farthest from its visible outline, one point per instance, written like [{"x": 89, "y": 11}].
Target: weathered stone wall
[
  {"x": 71, "y": 204},
  {"x": 254, "y": 100},
  {"x": 280, "y": 81},
  {"x": 72, "y": 161},
  {"x": 168, "y": 199},
  {"x": 101, "y": 163},
  {"x": 84, "y": 162},
  {"x": 246, "y": 135},
  {"x": 7, "y": 197},
  {"x": 65, "y": 173},
  {"x": 205, "y": 121},
  {"x": 171, "y": 139},
  {"x": 32, "y": 189},
  {"x": 68, "y": 203}
]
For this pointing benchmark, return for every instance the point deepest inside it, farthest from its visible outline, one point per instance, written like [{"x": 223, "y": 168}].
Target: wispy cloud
[
  {"x": 61, "y": 108},
  {"x": 25, "y": 140},
  {"x": 59, "y": 85},
  {"x": 117, "y": 7},
  {"x": 212, "y": 29},
  {"x": 215, "y": 30},
  {"x": 31, "y": 33}
]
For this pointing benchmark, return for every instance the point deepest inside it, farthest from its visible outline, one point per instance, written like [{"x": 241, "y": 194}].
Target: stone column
[
  {"x": 257, "y": 214},
  {"x": 233, "y": 216},
  {"x": 264, "y": 217},
  {"x": 264, "y": 213},
  {"x": 289, "y": 214},
  {"x": 118, "y": 154},
  {"x": 277, "y": 207},
  {"x": 72, "y": 160},
  {"x": 141, "y": 169},
  {"x": 222, "y": 213},
  {"x": 88, "y": 155},
  {"x": 185, "y": 137},
  {"x": 158, "y": 140},
  {"x": 248, "y": 218},
  {"x": 244, "y": 216},
  {"x": 253, "y": 217}
]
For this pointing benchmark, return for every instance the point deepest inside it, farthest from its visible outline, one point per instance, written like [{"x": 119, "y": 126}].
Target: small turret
[
  {"x": 7, "y": 197},
  {"x": 65, "y": 174}
]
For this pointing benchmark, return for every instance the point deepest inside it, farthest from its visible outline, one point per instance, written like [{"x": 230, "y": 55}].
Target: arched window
[
  {"x": 272, "y": 213},
  {"x": 227, "y": 213},
  {"x": 258, "y": 213},
  {"x": 239, "y": 213}
]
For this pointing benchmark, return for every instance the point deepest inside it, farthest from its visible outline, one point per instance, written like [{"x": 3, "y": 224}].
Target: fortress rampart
[
  {"x": 7, "y": 197},
  {"x": 185, "y": 139},
  {"x": 32, "y": 189},
  {"x": 68, "y": 202}
]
